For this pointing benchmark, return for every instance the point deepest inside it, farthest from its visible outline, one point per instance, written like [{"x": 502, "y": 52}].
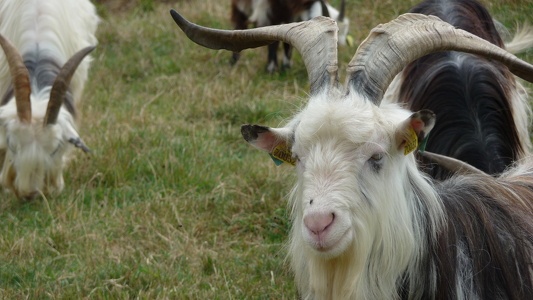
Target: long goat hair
[
  {"x": 43, "y": 69},
  {"x": 482, "y": 109},
  {"x": 366, "y": 222}
]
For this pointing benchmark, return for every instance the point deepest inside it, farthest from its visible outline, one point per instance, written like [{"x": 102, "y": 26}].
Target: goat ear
[
  {"x": 413, "y": 131},
  {"x": 262, "y": 137},
  {"x": 78, "y": 143},
  {"x": 72, "y": 136},
  {"x": 275, "y": 141}
]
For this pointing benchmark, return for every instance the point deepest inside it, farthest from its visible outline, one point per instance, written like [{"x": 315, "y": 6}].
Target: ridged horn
[
  {"x": 451, "y": 164},
  {"x": 391, "y": 46},
  {"x": 21, "y": 80},
  {"x": 61, "y": 85},
  {"x": 316, "y": 40}
]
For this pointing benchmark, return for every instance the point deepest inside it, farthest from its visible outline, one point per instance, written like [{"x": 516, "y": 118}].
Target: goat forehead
[{"x": 346, "y": 121}]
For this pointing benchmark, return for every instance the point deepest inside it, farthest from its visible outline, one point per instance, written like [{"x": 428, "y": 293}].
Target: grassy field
[{"x": 172, "y": 203}]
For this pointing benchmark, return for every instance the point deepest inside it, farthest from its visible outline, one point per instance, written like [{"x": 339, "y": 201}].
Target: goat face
[
  {"x": 344, "y": 151},
  {"x": 34, "y": 154},
  {"x": 35, "y": 128}
]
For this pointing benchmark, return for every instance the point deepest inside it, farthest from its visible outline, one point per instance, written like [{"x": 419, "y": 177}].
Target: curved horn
[
  {"x": 61, "y": 85},
  {"x": 390, "y": 47},
  {"x": 316, "y": 40},
  {"x": 21, "y": 80},
  {"x": 451, "y": 164}
]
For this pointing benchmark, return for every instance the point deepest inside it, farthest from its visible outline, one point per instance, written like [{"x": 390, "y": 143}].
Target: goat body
[
  {"x": 259, "y": 13},
  {"x": 482, "y": 109},
  {"x": 46, "y": 35}
]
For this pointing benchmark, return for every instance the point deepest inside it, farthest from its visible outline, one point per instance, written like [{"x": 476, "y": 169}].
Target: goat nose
[{"x": 318, "y": 222}]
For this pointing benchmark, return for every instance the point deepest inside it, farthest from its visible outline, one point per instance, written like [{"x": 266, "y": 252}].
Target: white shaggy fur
[
  {"x": 56, "y": 30},
  {"x": 373, "y": 240}
]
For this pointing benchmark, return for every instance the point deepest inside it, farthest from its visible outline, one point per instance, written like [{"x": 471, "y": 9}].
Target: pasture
[{"x": 173, "y": 203}]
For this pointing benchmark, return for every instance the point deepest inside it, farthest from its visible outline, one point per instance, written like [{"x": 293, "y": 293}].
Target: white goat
[
  {"x": 36, "y": 129},
  {"x": 366, "y": 223}
]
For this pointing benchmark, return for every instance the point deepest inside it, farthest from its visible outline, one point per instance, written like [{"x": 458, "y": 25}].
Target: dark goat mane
[
  {"x": 486, "y": 243},
  {"x": 493, "y": 234},
  {"x": 469, "y": 94}
]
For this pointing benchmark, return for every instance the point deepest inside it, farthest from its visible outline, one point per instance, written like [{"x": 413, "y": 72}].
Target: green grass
[{"x": 172, "y": 203}]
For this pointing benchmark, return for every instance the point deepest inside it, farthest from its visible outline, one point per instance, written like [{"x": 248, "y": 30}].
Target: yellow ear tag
[
  {"x": 349, "y": 40},
  {"x": 283, "y": 153},
  {"x": 411, "y": 141}
]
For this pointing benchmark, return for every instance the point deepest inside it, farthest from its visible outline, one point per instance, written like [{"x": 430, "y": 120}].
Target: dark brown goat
[{"x": 260, "y": 13}]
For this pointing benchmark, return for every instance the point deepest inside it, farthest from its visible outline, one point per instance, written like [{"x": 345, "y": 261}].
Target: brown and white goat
[
  {"x": 366, "y": 222},
  {"x": 42, "y": 76},
  {"x": 259, "y": 13}
]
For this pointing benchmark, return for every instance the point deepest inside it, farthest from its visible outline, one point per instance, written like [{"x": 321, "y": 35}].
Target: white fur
[
  {"x": 522, "y": 41},
  {"x": 259, "y": 13},
  {"x": 372, "y": 241},
  {"x": 35, "y": 155}
]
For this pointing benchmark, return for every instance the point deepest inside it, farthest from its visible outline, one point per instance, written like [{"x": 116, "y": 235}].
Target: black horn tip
[
  {"x": 251, "y": 132},
  {"x": 179, "y": 19},
  {"x": 78, "y": 143}
]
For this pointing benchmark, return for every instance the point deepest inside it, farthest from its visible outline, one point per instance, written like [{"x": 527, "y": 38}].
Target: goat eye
[
  {"x": 376, "y": 161},
  {"x": 376, "y": 157}
]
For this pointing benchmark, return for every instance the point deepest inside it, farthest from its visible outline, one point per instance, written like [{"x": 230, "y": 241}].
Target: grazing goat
[
  {"x": 42, "y": 76},
  {"x": 482, "y": 109},
  {"x": 259, "y": 13},
  {"x": 366, "y": 223}
]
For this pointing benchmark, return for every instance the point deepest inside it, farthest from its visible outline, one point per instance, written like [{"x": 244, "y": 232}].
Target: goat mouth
[{"x": 325, "y": 247}]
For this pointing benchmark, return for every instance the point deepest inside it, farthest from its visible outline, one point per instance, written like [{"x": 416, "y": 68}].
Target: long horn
[
  {"x": 21, "y": 80},
  {"x": 390, "y": 47},
  {"x": 451, "y": 164},
  {"x": 61, "y": 85},
  {"x": 316, "y": 40}
]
